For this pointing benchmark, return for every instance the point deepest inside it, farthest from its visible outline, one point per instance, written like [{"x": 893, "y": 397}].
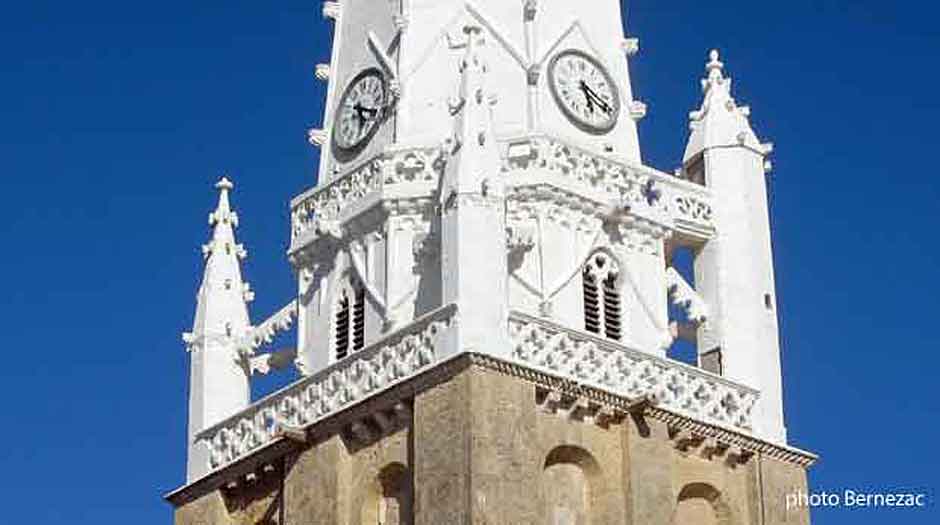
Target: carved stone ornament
[{"x": 630, "y": 373}]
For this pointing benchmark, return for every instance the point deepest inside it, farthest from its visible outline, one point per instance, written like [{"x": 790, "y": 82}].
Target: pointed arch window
[
  {"x": 349, "y": 321},
  {"x": 603, "y": 309}
]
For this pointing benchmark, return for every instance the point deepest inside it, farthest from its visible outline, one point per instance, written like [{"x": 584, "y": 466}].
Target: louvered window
[
  {"x": 349, "y": 321},
  {"x": 592, "y": 307},
  {"x": 341, "y": 327},
  {"x": 612, "y": 314},
  {"x": 603, "y": 311},
  {"x": 359, "y": 320}
]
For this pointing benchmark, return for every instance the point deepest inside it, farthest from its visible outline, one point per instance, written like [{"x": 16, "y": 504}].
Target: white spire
[
  {"x": 720, "y": 122},
  {"x": 219, "y": 384},
  {"x": 221, "y": 308},
  {"x": 473, "y": 149}
]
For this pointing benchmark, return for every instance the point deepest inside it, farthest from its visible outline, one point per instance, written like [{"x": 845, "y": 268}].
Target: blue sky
[{"x": 118, "y": 116}]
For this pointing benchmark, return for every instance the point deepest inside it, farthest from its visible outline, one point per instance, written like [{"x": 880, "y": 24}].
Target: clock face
[
  {"x": 360, "y": 110},
  {"x": 584, "y": 90}
]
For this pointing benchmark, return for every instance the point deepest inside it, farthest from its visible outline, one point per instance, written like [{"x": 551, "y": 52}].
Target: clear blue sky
[{"x": 116, "y": 117}]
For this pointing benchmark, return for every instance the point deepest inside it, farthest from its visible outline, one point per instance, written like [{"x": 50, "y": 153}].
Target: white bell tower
[
  {"x": 481, "y": 196},
  {"x": 431, "y": 104}
]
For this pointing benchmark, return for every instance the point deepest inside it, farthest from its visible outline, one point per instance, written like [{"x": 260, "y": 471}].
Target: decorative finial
[
  {"x": 720, "y": 121},
  {"x": 715, "y": 70},
  {"x": 715, "y": 65},
  {"x": 472, "y": 29},
  {"x": 472, "y": 59},
  {"x": 223, "y": 212},
  {"x": 224, "y": 184},
  {"x": 530, "y": 10},
  {"x": 473, "y": 33}
]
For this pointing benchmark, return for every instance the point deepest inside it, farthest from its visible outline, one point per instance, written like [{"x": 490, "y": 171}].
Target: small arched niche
[
  {"x": 388, "y": 501},
  {"x": 569, "y": 486},
  {"x": 701, "y": 504}
]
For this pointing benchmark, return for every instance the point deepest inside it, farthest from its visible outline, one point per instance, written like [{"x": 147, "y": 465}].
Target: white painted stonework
[
  {"x": 735, "y": 272},
  {"x": 477, "y": 218},
  {"x": 218, "y": 382}
]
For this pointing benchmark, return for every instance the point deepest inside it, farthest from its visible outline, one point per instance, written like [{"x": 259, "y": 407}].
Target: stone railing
[
  {"x": 690, "y": 206},
  {"x": 686, "y": 203},
  {"x": 394, "y": 359},
  {"x": 576, "y": 165},
  {"x": 599, "y": 363},
  {"x": 395, "y": 167}
]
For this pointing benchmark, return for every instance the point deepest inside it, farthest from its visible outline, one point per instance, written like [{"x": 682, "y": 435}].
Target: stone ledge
[{"x": 629, "y": 406}]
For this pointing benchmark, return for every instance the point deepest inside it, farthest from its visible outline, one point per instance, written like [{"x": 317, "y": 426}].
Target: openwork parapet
[
  {"x": 613, "y": 367},
  {"x": 390, "y": 361}
]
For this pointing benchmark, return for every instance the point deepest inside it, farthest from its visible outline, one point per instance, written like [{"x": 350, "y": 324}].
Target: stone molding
[
  {"x": 617, "y": 405},
  {"x": 630, "y": 373},
  {"x": 732, "y": 438},
  {"x": 687, "y": 205},
  {"x": 587, "y": 168},
  {"x": 637, "y": 230}
]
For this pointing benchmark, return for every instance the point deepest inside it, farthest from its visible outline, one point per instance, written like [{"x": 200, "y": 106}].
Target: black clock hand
[
  {"x": 587, "y": 96},
  {"x": 361, "y": 113},
  {"x": 600, "y": 101},
  {"x": 359, "y": 117},
  {"x": 590, "y": 94}
]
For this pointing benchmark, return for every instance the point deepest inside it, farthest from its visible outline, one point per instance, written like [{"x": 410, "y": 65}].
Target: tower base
[{"x": 473, "y": 441}]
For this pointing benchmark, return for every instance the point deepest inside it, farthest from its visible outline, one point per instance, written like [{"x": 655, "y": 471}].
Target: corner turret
[
  {"x": 734, "y": 271},
  {"x": 219, "y": 382}
]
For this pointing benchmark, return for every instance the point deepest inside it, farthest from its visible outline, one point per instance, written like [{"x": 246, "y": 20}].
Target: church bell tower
[{"x": 489, "y": 295}]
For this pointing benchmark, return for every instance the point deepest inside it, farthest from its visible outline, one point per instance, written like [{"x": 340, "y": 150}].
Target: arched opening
[
  {"x": 701, "y": 504},
  {"x": 569, "y": 486},
  {"x": 389, "y": 499},
  {"x": 349, "y": 321}
]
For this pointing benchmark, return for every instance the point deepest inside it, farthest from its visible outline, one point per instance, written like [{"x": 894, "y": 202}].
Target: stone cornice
[{"x": 629, "y": 405}]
